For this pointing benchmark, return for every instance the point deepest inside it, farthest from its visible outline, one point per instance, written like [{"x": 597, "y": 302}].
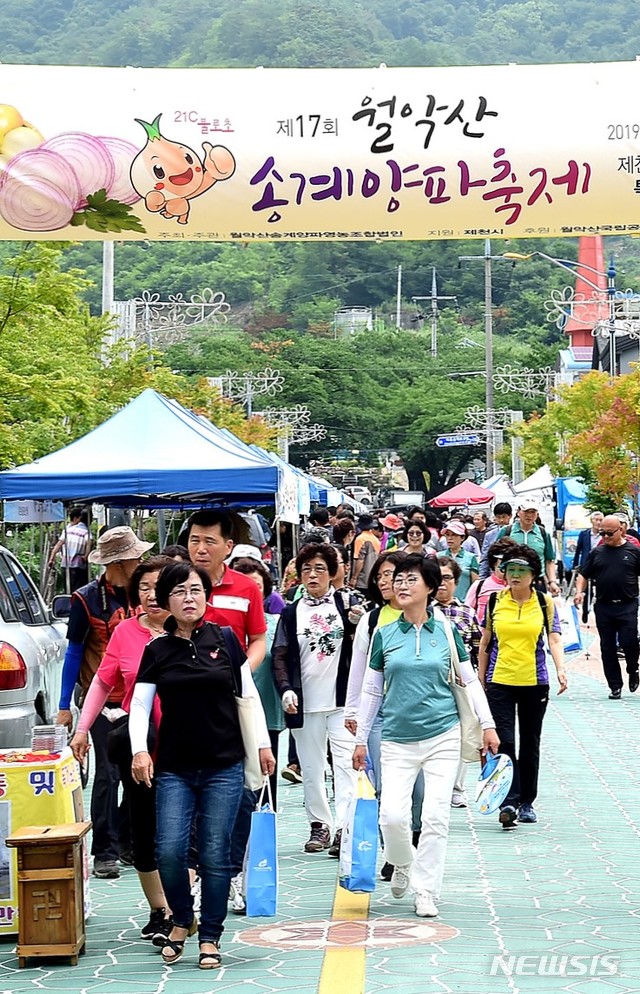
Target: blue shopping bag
[
  {"x": 359, "y": 844},
  {"x": 261, "y": 873}
]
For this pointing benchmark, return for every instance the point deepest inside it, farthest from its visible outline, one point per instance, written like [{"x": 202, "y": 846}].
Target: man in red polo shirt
[{"x": 235, "y": 599}]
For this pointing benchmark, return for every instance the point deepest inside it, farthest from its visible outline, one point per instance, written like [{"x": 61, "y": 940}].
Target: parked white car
[
  {"x": 362, "y": 494},
  {"x": 32, "y": 648}
]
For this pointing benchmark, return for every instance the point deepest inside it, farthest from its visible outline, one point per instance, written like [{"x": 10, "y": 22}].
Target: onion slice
[
  {"x": 123, "y": 153},
  {"x": 90, "y": 159},
  {"x": 38, "y": 191}
]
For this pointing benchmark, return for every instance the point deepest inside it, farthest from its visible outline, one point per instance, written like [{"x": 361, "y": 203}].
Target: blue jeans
[{"x": 213, "y": 797}]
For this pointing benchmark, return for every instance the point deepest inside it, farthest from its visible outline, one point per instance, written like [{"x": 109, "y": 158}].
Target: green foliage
[{"x": 103, "y": 214}]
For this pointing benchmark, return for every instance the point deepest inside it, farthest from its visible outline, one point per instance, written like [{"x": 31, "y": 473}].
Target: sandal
[
  {"x": 210, "y": 961},
  {"x": 176, "y": 946}
]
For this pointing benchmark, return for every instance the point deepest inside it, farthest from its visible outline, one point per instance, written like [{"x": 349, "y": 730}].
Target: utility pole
[
  {"x": 434, "y": 297},
  {"x": 487, "y": 259},
  {"x": 399, "y": 298}
]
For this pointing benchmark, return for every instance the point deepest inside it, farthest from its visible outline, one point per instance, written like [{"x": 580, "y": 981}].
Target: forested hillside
[{"x": 309, "y": 33}]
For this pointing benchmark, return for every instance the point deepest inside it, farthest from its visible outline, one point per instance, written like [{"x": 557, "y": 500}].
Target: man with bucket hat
[{"x": 96, "y": 610}]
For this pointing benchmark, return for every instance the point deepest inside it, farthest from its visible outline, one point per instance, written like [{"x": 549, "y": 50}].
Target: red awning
[{"x": 463, "y": 495}]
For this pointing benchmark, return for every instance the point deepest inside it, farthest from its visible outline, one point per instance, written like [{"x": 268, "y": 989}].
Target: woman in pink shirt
[
  {"x": 480, "y": 591},
  {"x": 120, "y": 665}
]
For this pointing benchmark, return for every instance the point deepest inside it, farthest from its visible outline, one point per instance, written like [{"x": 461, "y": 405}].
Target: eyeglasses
[
  {"x": 609, "y": 533},
  {"x": 406, "y": 581},
  {"x": 313, "y": 569},
  {"x": 385, "y": 574},
  {"x": 415, "y": 535},
  {"x": 447, "y": 576},
  {"x": 182, "y": 592}
]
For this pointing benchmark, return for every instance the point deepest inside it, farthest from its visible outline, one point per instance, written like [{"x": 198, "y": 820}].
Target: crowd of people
[{"x": 352, "y": 655}]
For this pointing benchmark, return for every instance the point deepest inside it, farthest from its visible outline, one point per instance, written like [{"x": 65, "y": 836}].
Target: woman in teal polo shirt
[
  {"x": 455, "y": 534},
  {"x": 409, "y": 666}
]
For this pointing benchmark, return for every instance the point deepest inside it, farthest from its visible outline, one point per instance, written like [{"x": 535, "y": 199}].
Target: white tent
[{"x": 540, "y": 480}]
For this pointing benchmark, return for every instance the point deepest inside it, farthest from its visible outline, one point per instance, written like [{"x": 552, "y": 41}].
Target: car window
[
  {"x": 7, "y": 607},
  {"x": 22, "y": 591}
]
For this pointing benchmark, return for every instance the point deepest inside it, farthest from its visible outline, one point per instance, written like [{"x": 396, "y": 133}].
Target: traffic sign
[{"x": 461, "y": 438}]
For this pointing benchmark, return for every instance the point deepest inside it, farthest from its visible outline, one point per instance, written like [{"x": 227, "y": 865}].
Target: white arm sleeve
[
  {"x": 141, "y": 704},
  {"x": 249, "y": 689},
  {"x": 477, "y": 694},
  {"x": 370, "y": 701},
  {"x": 357, "y": 669}
]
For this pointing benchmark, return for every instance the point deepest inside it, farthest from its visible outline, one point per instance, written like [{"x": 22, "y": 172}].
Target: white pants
[
  {"x": 438, "y": 758},
  {"x": 311, "y": 744}
]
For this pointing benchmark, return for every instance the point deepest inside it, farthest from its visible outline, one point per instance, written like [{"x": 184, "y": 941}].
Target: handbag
[
  {"x": 119, "y": 743},
  {"x": 359, "y": 842},
  {"x": 253, "y": 775},
  {"x": 261, "y": 871},
  {"x": 470, "y": 727}
]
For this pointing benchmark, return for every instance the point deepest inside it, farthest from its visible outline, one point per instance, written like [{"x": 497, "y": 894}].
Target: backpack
[
  {"x": 541, "y": 601},
  {"x": 507, "y": 531},
  {"x": 368, "y": 556}
]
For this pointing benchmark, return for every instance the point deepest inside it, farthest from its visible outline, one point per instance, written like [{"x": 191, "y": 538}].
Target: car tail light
[{"x": 13, "y": 670}]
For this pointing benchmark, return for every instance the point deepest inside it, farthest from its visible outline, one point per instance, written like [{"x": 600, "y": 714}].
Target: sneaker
[
  {"x": 458, "y": 799},
  {"x": 196, "y": 894},
  {"x": 387, "y": 871},
  {"x": 425, "y": 905},
  {"x": 334, "y": 848},
  {"x": 526, "y": 814},
  {"x": 126, "y": 858},
  {"x": 400, "y": 880},
  {"x": 508, "y": 816},
  {"x": 319, "y": 839},
  {"x": 106, "y": 869},
  {"x": 163, "y": 931},
  {"x": 292, "y": 774},
  {"x": 158, "y": 924},
  {"x": 238, "y": 903}
]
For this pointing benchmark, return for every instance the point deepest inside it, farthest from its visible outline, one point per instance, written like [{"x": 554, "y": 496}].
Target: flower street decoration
[
  {"x": 166, "y": 322},
  {"x": 530, "y": 383},
  {"x": 477, "y": 417},
  {"x": 292, "y": 423},
  {"x": 597, "y": 311},
  {"x": 243, "y": 387}
]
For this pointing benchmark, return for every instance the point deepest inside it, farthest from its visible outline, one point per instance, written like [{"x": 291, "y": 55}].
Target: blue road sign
[{"x": 461, "y": 438}]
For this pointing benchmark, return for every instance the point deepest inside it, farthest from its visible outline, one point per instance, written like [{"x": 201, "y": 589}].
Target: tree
[
  {"x": 56, "y": 383},
  {"x": 592, "y": 431}
]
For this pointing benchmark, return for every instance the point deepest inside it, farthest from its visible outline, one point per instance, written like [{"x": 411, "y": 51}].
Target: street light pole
[
  {"x": 487, "y": 259},
  {"x": 576, "y": 269},
  {"x": 611, "y": 293}
]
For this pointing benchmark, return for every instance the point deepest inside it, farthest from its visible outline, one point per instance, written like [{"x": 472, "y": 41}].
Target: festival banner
[{"x": 298, "y": 154}]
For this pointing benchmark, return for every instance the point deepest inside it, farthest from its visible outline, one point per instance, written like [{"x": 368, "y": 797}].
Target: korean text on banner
[{"x": 401, "y": 153}]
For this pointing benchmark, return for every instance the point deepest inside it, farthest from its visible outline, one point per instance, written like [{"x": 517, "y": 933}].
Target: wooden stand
[{"x": 51, "y": 901}]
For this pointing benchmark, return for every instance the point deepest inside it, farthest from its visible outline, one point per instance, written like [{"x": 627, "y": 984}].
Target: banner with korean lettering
[
  {"x": 35, "y": 789},
  {"x": 244, "y": 154}
]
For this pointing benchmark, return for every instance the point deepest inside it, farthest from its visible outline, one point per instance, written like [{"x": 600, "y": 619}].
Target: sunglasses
[{"x": 609, "y": 534}]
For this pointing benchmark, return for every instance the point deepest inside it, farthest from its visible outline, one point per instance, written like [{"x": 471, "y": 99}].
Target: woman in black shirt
[{"x": 199, "y": 762}]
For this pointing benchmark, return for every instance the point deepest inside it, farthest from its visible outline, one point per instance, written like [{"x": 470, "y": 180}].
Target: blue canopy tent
[{"x": 152, "y": 453}]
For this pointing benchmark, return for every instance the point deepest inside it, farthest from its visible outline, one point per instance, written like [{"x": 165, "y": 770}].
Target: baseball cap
[
  {"x": 529, "y": 505},
  {"x": 455, "y": 526},
  {"x": 244, "y": 552}
]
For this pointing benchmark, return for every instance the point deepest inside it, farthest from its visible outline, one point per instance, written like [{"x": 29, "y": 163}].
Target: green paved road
[{"x": 566, "y": 887}]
